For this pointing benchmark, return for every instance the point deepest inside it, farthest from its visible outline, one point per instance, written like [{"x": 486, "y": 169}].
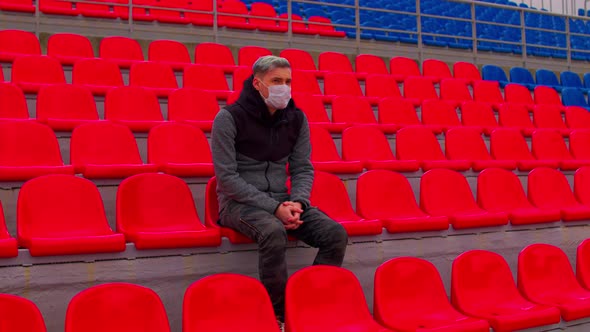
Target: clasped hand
[{"x": 289, "y": 213}]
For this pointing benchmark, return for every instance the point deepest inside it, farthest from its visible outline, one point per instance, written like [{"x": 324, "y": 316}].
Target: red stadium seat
[
  {"x": 8, "y": 245},
  {"x": 20, "y": 314},
  {"x": 549, "y": 145},
  {"x": 169, "y": 11},
  {"x": 208, "y": 78},
  {"x": 121, "y": 50},
  {"x": 467, "y": 144},
  {"x": 304, "y": 81},
  {"x": 32, "y": 72},
  {"x": 193, "y": 106},
  {"x": 370, "y": 146},
  {"x": 314, "y": 109},
  {"x": 102, "y": 10},
  {"x": 402, "y": 68},
  {"x": 301, "y": 60},
  {"x": 215, "y": 55},
  {"x": 488, "y": 92},
  {"x": 370, "y": 64},
  {"x": 454, "y": 91},
  {"x": 478, "y": 115},
  {"x": 169, "y": 52},
  {"x": 329, "y": 194},
  {"x": 482, "y": 286},
  {"x": 57, "y": 7},
  {"x": 17, "y": 43},
  {"x": 579, "y": 142},
  {"x": 233, "y": 7},
  {"x": 157, "y": 211},
  {"x": 583, "y": 263},
  {"x": 243, "y": 298},
  {"x": 153, "y": 76},
  {"x": 98, "y": 75},
  {"x": 420, "y": 88},
  {"x": 508, "y": 144},
  {"x": 13, "y": 104},
  {"x": 500, "y": 190},
  {"x": 445, "y": 192},
  {"x": 212, "y": 215},
  {"x": 297, "y": 24},
  {"x": 200, "y": 19},
  {"x": 396, "y": 111},
  {"x": 29, "y": 150},
  {"x": 308, "y": 310},
  {"x": 549, "y": 189},
  {"x": 116, "y": 307},
  {"x": 419, "y": 143},
  {"x": 436, "y": 69},
  {"x": 385, "y": 86},
  {"x": 247, "y": 55},
  {"x": 240, "y": 76},
  {"x": 545, "y": 276},
  {"x": 335, "y": 62},
  {"x": 466, "y": 71},
  {"x": 324, "y": 27},
  {"x": 64, "y": 215},
  {"x": 63, "y": 107},
  {"x": 516, "y": 116},
  {"x": 549, "y": 117},
  {"x": 106, "y": 150},
  {"x": 264, "y": 24},
  {"x": 518, "y": 94},
  {"x": 439, "y": 113},
  {"x": 134, "y": 107},
  {"x": 180, "y": 150},
  {"x": 23, "y": 6},
  {"x": 581, "y": 185},
  {"x": 324, "y": 155},
  {"x": 545, "y": 95},
  {"x": 357, "y": 111},
  {"x": 69, "y": 48},
  {"x": 388, "y": 196},
  {"x": 402, "y": 288},
  {"x": 577, "y": 118}
]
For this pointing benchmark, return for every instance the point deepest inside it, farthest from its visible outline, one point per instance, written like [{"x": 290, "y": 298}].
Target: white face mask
[{"x": 278, "y": 96}]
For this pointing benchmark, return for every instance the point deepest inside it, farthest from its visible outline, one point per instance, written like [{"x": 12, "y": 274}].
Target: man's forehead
[{"x": 281, "y": 73}]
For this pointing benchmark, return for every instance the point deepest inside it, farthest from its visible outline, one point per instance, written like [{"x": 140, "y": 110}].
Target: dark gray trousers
[{"x": 317, "y": 230}]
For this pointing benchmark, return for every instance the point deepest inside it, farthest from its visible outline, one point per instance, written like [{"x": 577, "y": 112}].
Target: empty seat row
[
  {"x": 408, "y": 294},
  {"x": 416, "y": 147},
  {"x": 544, "y": 77}
]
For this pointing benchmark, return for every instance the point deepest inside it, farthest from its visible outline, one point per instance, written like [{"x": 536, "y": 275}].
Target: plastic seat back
[
  {"x": 37, "y": 69},
  {"x": 28, "y": 144},
  {"x": 515, "y": 116},
  {"x": 487, "y": 91},
  {"x": 168, "y": 51},
  {"x": 382, "y": 86},
  {"x": 397, "y": 111},
  {"x": 116, "y": 307},
  {"x": 546, "y": 95},
  {"x": 97, "y": 72},
  {"x": 516, "y": 93},
  {"x": 13, "y": 104},
  {"x": 500, "y": 190},
  {"x": 420, "y": 88},
  {"x": 453, "y": 89},
  {"x": 465, "y": 144},
  {"x": 205, "y": 78},
  {"x": 312, "y": 106},
  {"x": 574, "y": 97},
  {"x": 570, "y": 79},
  {"x": 15, "y": 43},
  {"x": 214, "y": 54},
  {"x": 334, "y": 62},
  {"x": 494, "y": 73},
  {"x": 265, "y": 10},
  {"x": 103, "y": 144},
  {"x": 20, "y": 314},
  {"x": 243, "y": 298},
  {"x": 132, "y": 103},
  {"x": 478, "y": 114},
  {"x": 178, "y": 143},
  {"x": 549, "y": 145},
  {"x": 69, "y": 47},
  {"x": 353, "y": 110},
  {"x": 521, "y": 76},
  {"x": 371, "y": 64},
  {"x": 549, "y": 188},
  {"x": 417, "y": 143},
  {"x": 299, "y": 59},
  {"x": 120, "y": 48},
  {"x": 436, "y": 68},
  {"x": 306, "y": 305},
  {"x": 582, "y": 184},
  {"x": 324, "y": 27},
  {"x": 546, "y": 77},
  {"x": 323, "y": 147},
  {"x": 509, "y": 144},
  {"x": 404, "y": 67},
  {"x": 247, "y": 55},
  {"x": 577, "y": 118},
  {"x": 385, "y": 194},
  {"x": 152, "y": 75},
  {"x": 64, "y": 101},
  {"x": 329, "y": 194},
  {"x": 439, "y": 112},
  {"x": 365, "y": 143},
  {"x": 548, "y": 116},
  {"x": 583, "y": 263},
  {"x": 192, "y": 104},
  {"x": 445, "y": 192},
  {"x": 305, "y": 82},
  {"x": 579, "y": 142},
  {"x": 342, "y": 84},
  {"x": 466, "y": 70}
]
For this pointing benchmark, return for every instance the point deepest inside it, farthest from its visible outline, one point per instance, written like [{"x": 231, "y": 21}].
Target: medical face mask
[{"x": 278, "y": 96}]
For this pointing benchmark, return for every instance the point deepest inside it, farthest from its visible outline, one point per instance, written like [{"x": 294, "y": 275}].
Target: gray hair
[{"x": 267, "y": 63}]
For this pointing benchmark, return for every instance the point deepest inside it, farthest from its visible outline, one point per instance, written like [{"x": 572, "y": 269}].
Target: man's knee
[
  {"x": 274, "y": 236},
  {"x": 338, "y": 235}
]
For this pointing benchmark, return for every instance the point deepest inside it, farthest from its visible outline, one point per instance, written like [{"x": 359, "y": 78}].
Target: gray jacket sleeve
[
  {"x": 229, "y": 181},
  {"x": 300, "y": 167}
]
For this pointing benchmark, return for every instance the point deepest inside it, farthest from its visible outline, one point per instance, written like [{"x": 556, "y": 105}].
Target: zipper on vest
[{"x": 266, "y": 176}]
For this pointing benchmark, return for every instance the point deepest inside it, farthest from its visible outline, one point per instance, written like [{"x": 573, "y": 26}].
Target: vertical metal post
[
  {"x": 289, "y": 23},
  {"x": 523, "y": 36},
  {"x": 357, "y": 25},
  {"x": 215, "y": 26},
  {"x": 568, "y": 44},
  {"x": 473, "y": 31},
  {"x": 37, "y": 17},
  {"x": 419, "y": 31},
  {"x": 130, "y": 7}
]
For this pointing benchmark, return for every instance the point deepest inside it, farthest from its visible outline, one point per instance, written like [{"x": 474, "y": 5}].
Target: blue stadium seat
[
  {"x": 494, "y": 73},
  {"x": 522, "y": 76},
  {"x": 572, "y": 80},
  {"x": 587, "y": 80},
  {"x": 574, "y": 97},
  {"x": 547, "y": 78}
]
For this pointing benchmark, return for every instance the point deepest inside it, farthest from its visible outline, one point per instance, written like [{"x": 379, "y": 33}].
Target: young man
[{"x": 252, "y": 142}]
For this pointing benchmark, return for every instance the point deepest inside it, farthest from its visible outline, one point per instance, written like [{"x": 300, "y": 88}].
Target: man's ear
[{"x": 256, "y": 83}]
